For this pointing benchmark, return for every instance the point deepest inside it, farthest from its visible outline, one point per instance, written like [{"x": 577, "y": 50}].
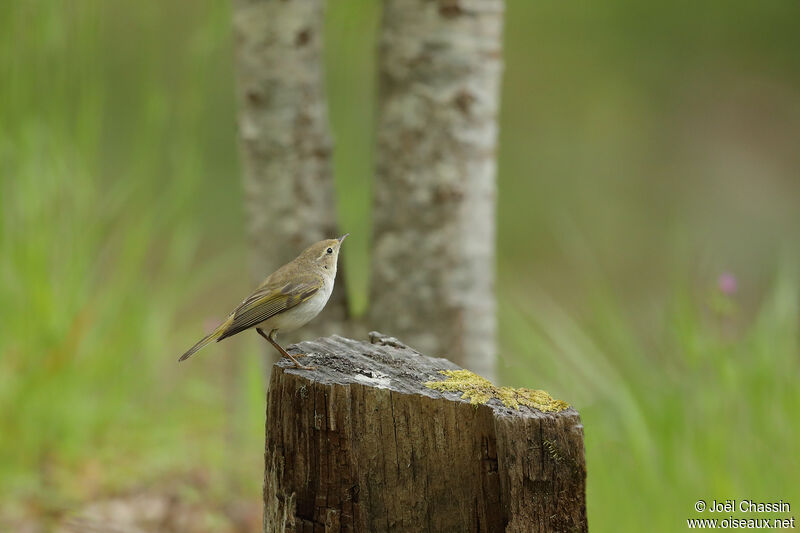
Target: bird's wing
[{"x": 272, "y": 298}]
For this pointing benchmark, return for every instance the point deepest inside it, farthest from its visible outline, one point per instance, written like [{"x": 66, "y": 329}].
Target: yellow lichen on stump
[{"x": 479, "y": 390}]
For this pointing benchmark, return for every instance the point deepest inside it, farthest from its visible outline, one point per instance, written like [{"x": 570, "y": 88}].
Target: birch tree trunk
[
  {"x": 434, "y": 227},
  {"x": 283, "y": 129}
]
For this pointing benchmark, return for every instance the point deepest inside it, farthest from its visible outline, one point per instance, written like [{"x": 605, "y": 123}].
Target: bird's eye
[{"x": 330, "y": 250}]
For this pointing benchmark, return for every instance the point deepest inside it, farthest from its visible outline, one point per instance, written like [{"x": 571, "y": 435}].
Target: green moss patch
[{"x": 479, "y": 390}]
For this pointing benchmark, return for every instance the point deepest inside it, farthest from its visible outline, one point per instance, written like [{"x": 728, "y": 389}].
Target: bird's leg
[{"x": 278, "y": 347}]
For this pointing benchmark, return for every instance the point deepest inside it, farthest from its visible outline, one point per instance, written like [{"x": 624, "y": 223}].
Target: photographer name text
[{"x": 747, "y": 506}]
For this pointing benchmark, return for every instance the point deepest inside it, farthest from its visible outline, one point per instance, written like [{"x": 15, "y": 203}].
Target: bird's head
[{"x": 324, "y": 253}]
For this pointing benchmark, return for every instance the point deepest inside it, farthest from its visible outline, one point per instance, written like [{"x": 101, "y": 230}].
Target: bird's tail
[{"x": 208, "y": 339}]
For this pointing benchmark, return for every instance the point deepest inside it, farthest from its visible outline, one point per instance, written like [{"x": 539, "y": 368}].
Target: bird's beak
[{"x": 343, "y": 237}]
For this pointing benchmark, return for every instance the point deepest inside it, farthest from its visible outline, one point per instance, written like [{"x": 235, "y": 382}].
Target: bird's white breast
[{"x": 302, "y": 313}]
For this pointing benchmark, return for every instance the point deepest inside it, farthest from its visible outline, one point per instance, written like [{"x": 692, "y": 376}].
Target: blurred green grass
[{"x": 642, "y": 153}]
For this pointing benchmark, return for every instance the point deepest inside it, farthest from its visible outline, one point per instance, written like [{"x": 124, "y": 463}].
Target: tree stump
[{"x": 363, "y": 443}]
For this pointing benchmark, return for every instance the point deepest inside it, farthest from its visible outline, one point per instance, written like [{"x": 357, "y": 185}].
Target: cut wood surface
[{"x": 364, "y": 444}]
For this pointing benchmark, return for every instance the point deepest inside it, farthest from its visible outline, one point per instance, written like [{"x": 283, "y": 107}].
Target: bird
[{"x": 288, "y": 299}]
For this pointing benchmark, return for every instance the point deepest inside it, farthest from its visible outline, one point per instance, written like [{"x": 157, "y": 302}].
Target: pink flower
[{"x": 727, "y": 283}]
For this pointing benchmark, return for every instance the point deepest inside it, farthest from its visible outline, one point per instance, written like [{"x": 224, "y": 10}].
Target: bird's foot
[{"x": 297, "y": 363}]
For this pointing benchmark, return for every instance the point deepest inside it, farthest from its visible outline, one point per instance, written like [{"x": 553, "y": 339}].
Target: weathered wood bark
[
  {"x": 434, "y": 228},
  {"x": 283, "y": 129},
  {"x": 361, "y": 444}
]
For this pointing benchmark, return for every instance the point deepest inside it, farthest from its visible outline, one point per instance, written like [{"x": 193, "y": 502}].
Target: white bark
[
  {"x": 434, "y": 213},
  {"x": 283, "y": 129}
]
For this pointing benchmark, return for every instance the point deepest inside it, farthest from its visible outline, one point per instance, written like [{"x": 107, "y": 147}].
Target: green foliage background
[{"x": 645, "y": 149}]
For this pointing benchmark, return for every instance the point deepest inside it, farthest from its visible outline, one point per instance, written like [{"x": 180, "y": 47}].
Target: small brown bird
[{"x": 289, "y": 298}]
